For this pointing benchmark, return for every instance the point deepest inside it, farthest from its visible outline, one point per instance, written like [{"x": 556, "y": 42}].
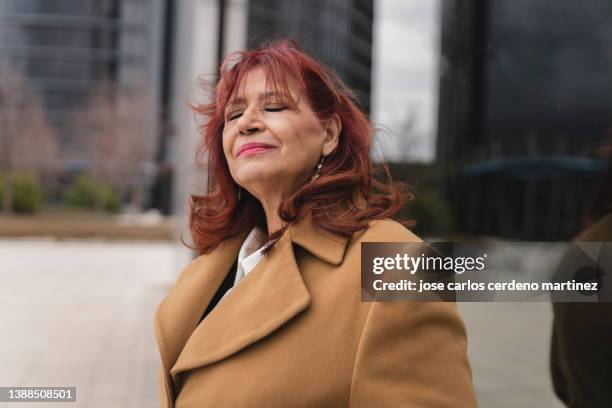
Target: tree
[
  {"x": 117, "y": 134},
  {"x": 27, "y": 142}
]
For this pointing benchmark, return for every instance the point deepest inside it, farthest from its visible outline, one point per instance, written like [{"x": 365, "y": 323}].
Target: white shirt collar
[
  {"x": 249, "y": 255},
  {"x": 250, "y": 252}
]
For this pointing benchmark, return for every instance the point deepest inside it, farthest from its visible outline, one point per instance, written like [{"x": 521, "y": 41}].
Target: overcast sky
[{"x": 406, "y": 44}]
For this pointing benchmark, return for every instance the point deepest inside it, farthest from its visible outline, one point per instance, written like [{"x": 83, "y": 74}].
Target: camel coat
[{"x": 294, "y": 332}]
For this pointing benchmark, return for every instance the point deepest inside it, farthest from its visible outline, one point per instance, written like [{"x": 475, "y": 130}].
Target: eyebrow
[{"x": 262, "y": 96}]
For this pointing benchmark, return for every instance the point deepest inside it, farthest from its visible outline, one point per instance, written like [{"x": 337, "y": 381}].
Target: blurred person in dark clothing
[{"x": 581, "y": 349}]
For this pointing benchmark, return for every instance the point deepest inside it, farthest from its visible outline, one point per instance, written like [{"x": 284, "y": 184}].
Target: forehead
[{"x": 261, "y": 85}]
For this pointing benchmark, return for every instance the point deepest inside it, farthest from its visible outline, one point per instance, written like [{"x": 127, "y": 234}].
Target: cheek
[
  {"x": 301, "y": 134},
  {"x": 303, "y": 148},
  {"x": 308, "y": 140},
  {"x": 226, "y": 145}
]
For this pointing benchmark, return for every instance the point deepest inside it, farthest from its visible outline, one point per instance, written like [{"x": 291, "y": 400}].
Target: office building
[{"x": 524, "y": 105}]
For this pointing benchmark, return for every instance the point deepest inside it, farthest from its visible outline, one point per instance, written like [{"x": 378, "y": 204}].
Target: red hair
[{"x": 344, "y": 197}]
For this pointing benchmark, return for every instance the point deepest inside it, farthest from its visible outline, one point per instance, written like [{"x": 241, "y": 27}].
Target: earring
[
  {"x": 316, "y": 175},
  {"x": 239, "y": 193}
]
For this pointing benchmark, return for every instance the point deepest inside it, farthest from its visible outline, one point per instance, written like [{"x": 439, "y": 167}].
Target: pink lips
[{"x": 253, "y": 148}]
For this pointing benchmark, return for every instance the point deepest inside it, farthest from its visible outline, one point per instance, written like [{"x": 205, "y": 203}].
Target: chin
[{"x": 255, "y": 174}]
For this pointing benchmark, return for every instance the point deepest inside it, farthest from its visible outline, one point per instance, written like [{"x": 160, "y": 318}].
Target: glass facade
[{"x": 524, "y": 106}]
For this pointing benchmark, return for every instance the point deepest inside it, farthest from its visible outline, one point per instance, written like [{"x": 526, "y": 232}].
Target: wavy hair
[{"x": 346, "y": 195}]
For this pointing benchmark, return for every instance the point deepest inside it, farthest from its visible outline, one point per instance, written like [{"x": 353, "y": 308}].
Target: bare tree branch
[
  {"x": 118, "y": 135},
  {"x": 27, "y": 142}
]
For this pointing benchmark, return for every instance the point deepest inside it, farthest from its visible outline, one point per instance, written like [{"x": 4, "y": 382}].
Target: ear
[{"x": 332, "y": 128}]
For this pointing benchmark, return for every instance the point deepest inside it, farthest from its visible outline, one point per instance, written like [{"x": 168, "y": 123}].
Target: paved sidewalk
[
  {"x": 509, "y": 346},
  {"x": 81, "y": 314}
]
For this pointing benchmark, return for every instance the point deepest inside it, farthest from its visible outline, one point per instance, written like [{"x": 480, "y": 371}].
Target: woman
[{"x": 290, "y": 200}]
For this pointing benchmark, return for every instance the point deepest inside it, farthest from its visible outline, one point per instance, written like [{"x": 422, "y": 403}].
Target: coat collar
[
  {"x": 267, "y": 298},
  {"x": 325, "y": 245}
]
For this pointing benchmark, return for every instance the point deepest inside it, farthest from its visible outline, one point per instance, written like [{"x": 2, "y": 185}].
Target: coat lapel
[
  {"x": 178, "y": 315},
  {"x": 271, "y": 295}
]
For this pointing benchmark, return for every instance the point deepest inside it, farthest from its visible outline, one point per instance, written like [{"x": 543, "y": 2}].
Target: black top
[{"x": 227, "y": 283}]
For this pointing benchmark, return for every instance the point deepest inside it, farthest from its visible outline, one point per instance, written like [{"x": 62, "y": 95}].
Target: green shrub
[
  {"x": 87, "y": 193},
  {"x": 26, "y": 191}
]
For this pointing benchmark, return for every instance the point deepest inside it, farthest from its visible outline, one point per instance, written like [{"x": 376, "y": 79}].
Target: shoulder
[
  {"x": 599, "y": 231},
  {"x": 191, "y": 269},
  {"x": 386, "y": 230}
]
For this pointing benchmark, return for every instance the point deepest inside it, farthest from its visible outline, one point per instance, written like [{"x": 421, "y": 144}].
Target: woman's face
[{"x": 270, "y": 145}]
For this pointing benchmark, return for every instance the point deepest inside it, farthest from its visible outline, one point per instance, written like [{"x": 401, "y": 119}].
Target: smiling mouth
[{"x": 254, "y": 150}]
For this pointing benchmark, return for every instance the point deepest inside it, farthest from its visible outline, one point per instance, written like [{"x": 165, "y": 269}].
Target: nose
[{"x": 249, "y": 123}]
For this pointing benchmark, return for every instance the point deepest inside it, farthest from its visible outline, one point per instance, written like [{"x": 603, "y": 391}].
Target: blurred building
[
  {"x": 67, "y": 49},
  {"x": 524, "y": 104}
]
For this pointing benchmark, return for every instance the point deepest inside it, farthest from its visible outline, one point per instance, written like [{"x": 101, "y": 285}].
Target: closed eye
[
  {"x": 276, "y": 108},
  {"x": 234, "y": 116}
]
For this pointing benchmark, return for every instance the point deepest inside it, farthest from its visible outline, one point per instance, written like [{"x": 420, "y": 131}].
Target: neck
[
  {"x": 270, "y": 200},
  {"x": 273, "y": 221}
]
